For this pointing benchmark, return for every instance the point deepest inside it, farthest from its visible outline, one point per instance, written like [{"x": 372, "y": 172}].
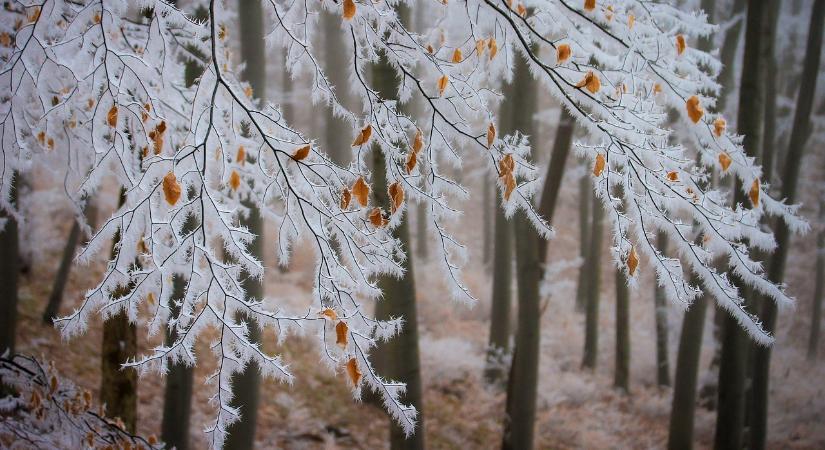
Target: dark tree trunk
[
  {"x": 9, "y": 271},
  {"x": 735, "y": 343},
  {"x": 241, "y": 434},
  {"x": 816, "y": 314},
  {"x": 118, "y": 386},
  {"x": 585, "y": 196},
  {"x": 487, "y": 234},
  {"x": 621, "y": 375},
  {"x": 593, "y": 268},
  {"x": 62, "y": 275},
  {"x": 660, "y": 305},
  {"x": 555, "y": 172},
  {"x": 776, "y": 272}
]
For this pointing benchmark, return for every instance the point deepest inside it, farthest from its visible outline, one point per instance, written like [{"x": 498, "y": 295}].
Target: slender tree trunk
[
  {"x": 555, "y": 171},
  {"x": 585, "y": 196},
  {"x": 621, "y": 377},
  {"x": 241, "y": 434},
  {"x": 776, "y": 272},
  {"x": 816, "y": 315},
  {"x": 487, "y": 233},
  {"x": 337, "y": 129},
  {"x": 770, "y": 68},
  {"x": 660, "y": 305},
  {"x": 735, "y": 343},
  {"x": 9, "y": 271},
  {"x": 62, "y": 275},
  {"x": 593, "y": 268},
  {"x": 118, "y": 386}
]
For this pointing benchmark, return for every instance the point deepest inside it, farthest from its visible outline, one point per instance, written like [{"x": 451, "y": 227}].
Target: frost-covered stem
[{"x": 796, "y": 147}]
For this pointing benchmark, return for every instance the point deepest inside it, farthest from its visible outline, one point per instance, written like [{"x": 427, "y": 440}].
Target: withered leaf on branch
[
  {"x": 346, "y": 198},
  {"x": 111, "y": 116},
  {"x": 598, "y": 166},
  {"x": 341, "y": 334},
  {"x": 363, "y": 136},
  {"x": 719, "y": 126},
  {"x": 491, "y": 134},
  {"x": 301, "y": 153},
  {"x": 632, "y": 261},
  {"x": 563, "y": 53},
  {"x": 591, "y": 82},
  {"x": 457, "y": 56},
  {"x": 171, "y": 188},
  {"x": 754, "y": 192},
  {"x": 329, "y": 313},
  {"x": 724, "y": 161},
  {"x": 681, "y": 44},
  {"x": 442, "y": 84},
  {"x": 396, "y": 193},
  {"x": 240, "y": 157},
  {"x": 694, "y": 109},
  {"x": 234, "y": 180},
  {"x": 361, "y": 191},
  {"x": 353, "y": 371},
  {"x": 377, "y": 218},
  {"x": 349, "y": 9}
]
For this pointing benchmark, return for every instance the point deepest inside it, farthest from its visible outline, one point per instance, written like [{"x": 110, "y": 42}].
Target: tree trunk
[
  {"x": 62, "y": 275},
  {"x": 585, "y": 195},
  {"x": 816, "y": 315},
  {"x": 621, "y": 374},
  {"x": 770, "y": 68},
  {"x": 776, "y": 272},
  {"x": 241, "y": 434},
  {"x": 555, "y": 172},
  {"x": 9, "y": 270},
  {"x": 735, "y": 343},
  {"x": 593, "y": 268},
  {"x": 487, "y": 234},
  {"x": 118, "y": 386},
  {"x": 660, "y": 305}
]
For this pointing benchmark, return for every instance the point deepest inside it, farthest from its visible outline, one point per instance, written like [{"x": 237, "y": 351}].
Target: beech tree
[{"x": 95, "y": 86}]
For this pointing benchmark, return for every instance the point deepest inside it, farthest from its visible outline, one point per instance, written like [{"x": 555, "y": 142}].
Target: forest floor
[{"x": 576, "y": 409}]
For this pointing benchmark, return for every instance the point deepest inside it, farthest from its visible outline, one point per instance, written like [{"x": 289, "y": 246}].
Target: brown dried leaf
[
  {"x": 363, "y": 136},
  {"x": 329, "y": 313},
  {"x": 598, "y": 166},
  {"x": 301, "y": 153},
  {"x": 632, "y": 261},
  {"x": 240, "y": 157},
  {"x": 754, "y": 193},
  {"x": 349, "y": 9},
  {"x": 506, "y": 165},
  {"x": 724, "y": 161},
  {"x": 346, "y": 198},
  {"x": 341, "y": 334},
  {"x": 681, "y": 44},
  {"x": 418, "y": 142},
  {"x": 694, "y": 109},
  {"x": 457, "y": 56},
  {"x": 521, "y": 10},
  {"x": 591, "y": 82},
  {"x": 361, "y": 191},
  {"x": 171, "y": 188},
  {"x": 396, "y": 193},
  {"x": 492, "y": 45},
  {"x": 111, "y": 116},
  {"x": 353, "y": 372},
  {"x": 234, "y": 180},
  {"x": 491, "y": 134},
  {"x": 719, "y": 126},
  {"x": 442, "y": 84},
  {"x": 376, "y": 218},
  {"x": 631, "y": 20},
  {"x": 563, "y": 53},
  {"x": 412, "y": 160},
  {"x": 509, "y": 185},
  {"x": 673, "y": 175},
  {"x": 589, "y": 5},
  {"x": 480, "y": 46}
]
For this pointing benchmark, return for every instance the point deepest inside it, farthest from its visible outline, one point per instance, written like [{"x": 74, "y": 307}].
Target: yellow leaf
[
  {"x": 376, "y": 218},
  {"x": 694, "y": 109},
  {"x": 247, "y": 91},
  {"x": 457, "y": 56},
  {"x": 631, "y": 20},
  {"x": 442, "y": 84},
  {"x": 609, "y": 13},
  {"x": 563, "y": 53},
  {"x": 724, "y": 161},
  {"x": 341, "y": 334},
  {"x": 111, "y": 117},
  {"x": 301, "y": 153},
  {"x": 171, "y": 188},
  {"x": 754, "y": 193},
  {"x": 363, "y": 136},
  {"x": 719, "y": 126},
  {"x": 681, "y": 44},
  {"x": 234, "y": 180},
  {"x": 657, "y": 88},
  {"x": 349, "y": 9},
  {"x": 632, "y": 261},
  {"x": 396, "y": 193},
  {"x": 346, "y": 197},
  {"x": 589, "y": 5},
  {"x": 491, "y": 134},
  {"x": 598, "y": 167},
  {"x": 353, "y": 372},
  {"x": 361, "y": 190},
  {"x": 329, "y": 313}
]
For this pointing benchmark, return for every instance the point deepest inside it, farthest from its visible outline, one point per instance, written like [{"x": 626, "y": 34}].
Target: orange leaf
[
  {"x": 563, "y": 53},
  {"x": 361, "y": 190},
  {"x": 363, "y": 136},
  {"x": 341, "y": 331},
  {"x": 240, "y": 157},
  {"x": 353, "y": 371},
  {"x": 329, "y": 313},
  {"x": 301, "y": 153},
  {"x": 694, "y": 109},
  {"x": 724, "y": 161},
  {"x": 491, "y": 134},
  {"x": 632, "y": 261},
  {"x": 522, "y": 10},
  {"x": 346, "y": 197},
  {"x": 457, "y": 56},
  {"x": 442, "y": 84},
  {"x": 719, "y": 126},
  {"x": 506, "y": 165},
  {"x": 376, "y": 217},
  {"x": 673, "y": 176},
  {"x": 349, "y": 9},
  {"x": 480, "y": 46},
  {"x": 591, "y": 82},
  {"x": 412, "y": 159},
  {"x": 681, "y": 44},
  {"x": 493, "y": 46},
  {"x": 598, "y": 167},
  {"x": 657, "y": 88},
  {"x": 754, "y": 193},
  {"x": 234, "y": 180},
  {"x": 631, "y": 20},
  {"x": 589, "y": 5},
  {"x": 111, "y": 117},
  {"x": 171, "y": 188},
  {"x": 418, "y": 142},
  {"x": 396, "y": 196},
  {"x": 509, "y": 185}
]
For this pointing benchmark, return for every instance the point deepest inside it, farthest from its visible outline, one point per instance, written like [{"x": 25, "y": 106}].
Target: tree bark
[
  {"x": 660, "y": 305},
  {"x": 621, "y": 376},
  {"x": 735, "y": 343},
  {"x": 9, "y": 271},
  {"x": 555, "y": 172},
  {"x": 241, "y": 434},
  {"x": 118, "y": 386},
  {"x": 816, "y": 314},
  {"x": 593, "y": 268},
  {"x": 585, "y": 195},
  {"x": 776, "y": 272}
]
